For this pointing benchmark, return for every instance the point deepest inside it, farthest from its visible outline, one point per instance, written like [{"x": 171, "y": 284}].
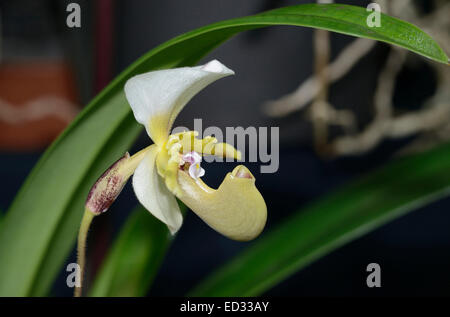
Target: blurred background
[{"x": 332, "y": 129}]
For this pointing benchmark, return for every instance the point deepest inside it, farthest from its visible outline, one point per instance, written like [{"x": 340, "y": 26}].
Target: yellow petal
[
  {"x": 236, "y": 209},
  {"x": 222, "y": 150},
  {"x": 206, "y": 146}
]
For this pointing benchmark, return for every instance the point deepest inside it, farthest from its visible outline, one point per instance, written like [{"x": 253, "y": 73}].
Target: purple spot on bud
[{"x": 107, "y": 187}]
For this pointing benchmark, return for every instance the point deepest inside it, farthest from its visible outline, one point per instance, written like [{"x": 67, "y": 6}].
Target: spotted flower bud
[{"x": 109, "y": 185}]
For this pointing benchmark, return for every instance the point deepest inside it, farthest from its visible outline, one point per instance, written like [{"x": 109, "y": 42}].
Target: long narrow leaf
[
  {"x": 364, "y": 205},
  {"x": 134, "y": 258},
  {"x": 39, "y": 229}
]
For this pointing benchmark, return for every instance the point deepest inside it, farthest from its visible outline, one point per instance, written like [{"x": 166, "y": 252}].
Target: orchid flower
[{"x": 171, "y": 167}]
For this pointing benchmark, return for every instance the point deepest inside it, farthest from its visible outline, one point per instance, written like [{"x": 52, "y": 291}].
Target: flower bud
[{"x": 108, "y": 186}]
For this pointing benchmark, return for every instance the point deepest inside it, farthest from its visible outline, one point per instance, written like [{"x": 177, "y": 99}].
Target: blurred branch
[
  {"x": 307, "y": 91},
  {"x": 433, "y": 117},
  {"x": 381, "y": 125},
  {"x": 319, "y": 109}
]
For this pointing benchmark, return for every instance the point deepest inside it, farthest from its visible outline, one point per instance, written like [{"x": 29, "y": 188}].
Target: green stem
[{"x": 81, "y": 248}]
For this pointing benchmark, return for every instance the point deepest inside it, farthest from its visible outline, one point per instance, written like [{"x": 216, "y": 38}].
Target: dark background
[{"x": 412, "y": 251}]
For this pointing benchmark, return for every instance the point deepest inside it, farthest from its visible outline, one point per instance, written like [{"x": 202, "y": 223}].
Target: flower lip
[
  {"x": 242, "y": 172},
  {"x": 235, "y": 209}
]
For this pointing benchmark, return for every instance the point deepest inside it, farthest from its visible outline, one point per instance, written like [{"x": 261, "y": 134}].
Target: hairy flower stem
[
  {"x": 81, "y": 248},
  {"x": 102, "y": 194}
]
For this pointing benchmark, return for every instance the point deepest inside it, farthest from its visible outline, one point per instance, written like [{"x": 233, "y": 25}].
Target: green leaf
[
  {"x": 134, "y": 259},
  {"x": 360, "y": 207},
  {"x": 40, "y": 227}
]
